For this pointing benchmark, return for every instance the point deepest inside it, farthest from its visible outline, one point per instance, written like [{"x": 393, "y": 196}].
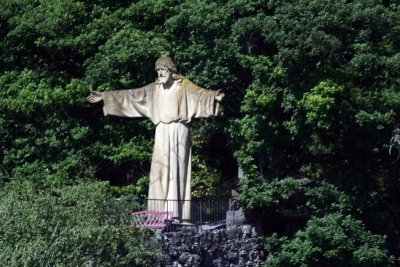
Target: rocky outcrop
[{"x": 237, "y": 246}]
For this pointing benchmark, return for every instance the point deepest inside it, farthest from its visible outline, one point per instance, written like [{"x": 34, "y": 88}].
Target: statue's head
[{"x": 166, "y": 70}]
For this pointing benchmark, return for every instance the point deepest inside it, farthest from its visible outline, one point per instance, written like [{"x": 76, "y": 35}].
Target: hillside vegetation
[{"x": 312, "y": 99}]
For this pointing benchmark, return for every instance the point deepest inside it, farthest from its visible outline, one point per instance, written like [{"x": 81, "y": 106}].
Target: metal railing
[{"x": 195, "y": 211}]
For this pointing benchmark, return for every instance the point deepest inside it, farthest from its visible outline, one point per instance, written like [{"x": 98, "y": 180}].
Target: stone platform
[{"x": 192, "y": 246}]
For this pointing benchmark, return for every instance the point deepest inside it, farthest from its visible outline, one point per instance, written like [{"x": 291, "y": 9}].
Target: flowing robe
[{"x": 171, "y": 110}]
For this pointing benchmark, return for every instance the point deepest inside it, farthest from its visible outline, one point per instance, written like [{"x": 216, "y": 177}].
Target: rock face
[{"x": 237, "y": 246}]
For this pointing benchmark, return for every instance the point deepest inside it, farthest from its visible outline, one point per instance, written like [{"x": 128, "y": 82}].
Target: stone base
[
  {"x": 234, "y": 218},
  {"x": 238, "y": 246}
]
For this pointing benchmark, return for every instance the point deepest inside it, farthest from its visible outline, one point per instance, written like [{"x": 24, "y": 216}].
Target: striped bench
[{"x": 152, "y": 219}]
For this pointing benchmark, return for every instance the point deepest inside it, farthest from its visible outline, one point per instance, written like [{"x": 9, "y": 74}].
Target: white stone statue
[{"x": 171, "y": 102}]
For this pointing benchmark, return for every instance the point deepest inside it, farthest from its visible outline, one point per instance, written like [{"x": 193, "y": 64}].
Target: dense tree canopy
[{"x": 312, "y": 98}]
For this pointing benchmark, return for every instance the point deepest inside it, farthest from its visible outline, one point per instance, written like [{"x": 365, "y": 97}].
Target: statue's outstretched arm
[{"x": 124, "y": 103}]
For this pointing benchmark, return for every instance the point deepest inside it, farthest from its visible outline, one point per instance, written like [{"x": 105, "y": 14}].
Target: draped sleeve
[
  {"x": 129, "y": 103},
  {"x": 201, "y": 102}
]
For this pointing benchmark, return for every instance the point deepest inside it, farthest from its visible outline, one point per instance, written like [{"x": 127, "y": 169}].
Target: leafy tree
[
  {"x": 321, "y": 108},
  {"x": 76, "y": 225}
]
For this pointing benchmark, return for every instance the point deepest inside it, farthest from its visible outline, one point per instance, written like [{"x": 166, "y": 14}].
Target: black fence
[{"x": 195, "y": 211}]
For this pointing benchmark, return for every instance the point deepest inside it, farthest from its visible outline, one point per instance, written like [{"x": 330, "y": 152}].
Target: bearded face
[{"x": 164, "y": 74}]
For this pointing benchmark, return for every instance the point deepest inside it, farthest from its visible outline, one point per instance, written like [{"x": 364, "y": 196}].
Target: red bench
[{"x": 152, "y": 219}]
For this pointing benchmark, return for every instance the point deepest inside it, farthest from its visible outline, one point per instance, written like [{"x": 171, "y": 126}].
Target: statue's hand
[
  {"x": 219, "y": 95},
  {"x": 95, "y": 97}
]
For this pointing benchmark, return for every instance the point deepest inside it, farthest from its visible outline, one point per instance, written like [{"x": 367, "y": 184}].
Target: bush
[
  {"x": 333, "y": 240},
  {"x": 71, "y": 226}
]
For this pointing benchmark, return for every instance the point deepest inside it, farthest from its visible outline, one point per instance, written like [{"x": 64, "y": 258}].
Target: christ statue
[{"x": 171, "y": 102}]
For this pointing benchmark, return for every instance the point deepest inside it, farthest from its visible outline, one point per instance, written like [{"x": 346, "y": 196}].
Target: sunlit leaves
[{"x": 320, "y": 102}]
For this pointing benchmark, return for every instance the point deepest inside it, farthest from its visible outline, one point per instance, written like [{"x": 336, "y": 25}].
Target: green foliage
[
  {"x": 318, "y": 98},
  {"x": 133, "y": 192},
  {"x": 301, "y": 195},
  {"x": 206, "y": 171},
  {"x": 332, "y": 240},
  {"x": 312, "y": 93},
  {"x": 205, "y": 182},
  {"x": 321, "y": 107},
  {"x": 72, "y": 226},
  {"x": 326, "y": 198},
  {"x": 258, "y": 194},
  {"x": 319, "y": 104},
  {"x": 48, "y": 131}
]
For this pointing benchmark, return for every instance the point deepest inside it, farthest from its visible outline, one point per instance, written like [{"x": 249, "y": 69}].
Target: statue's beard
[{"x": 162, "y": 80}]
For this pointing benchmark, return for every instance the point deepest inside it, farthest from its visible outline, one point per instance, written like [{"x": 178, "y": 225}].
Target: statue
[{"x": 171, "y": 102}]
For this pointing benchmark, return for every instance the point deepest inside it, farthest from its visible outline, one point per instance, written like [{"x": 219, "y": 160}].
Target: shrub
[
  {"x": 332, "y": 240},
  {"x": 77, "y": 225}
]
